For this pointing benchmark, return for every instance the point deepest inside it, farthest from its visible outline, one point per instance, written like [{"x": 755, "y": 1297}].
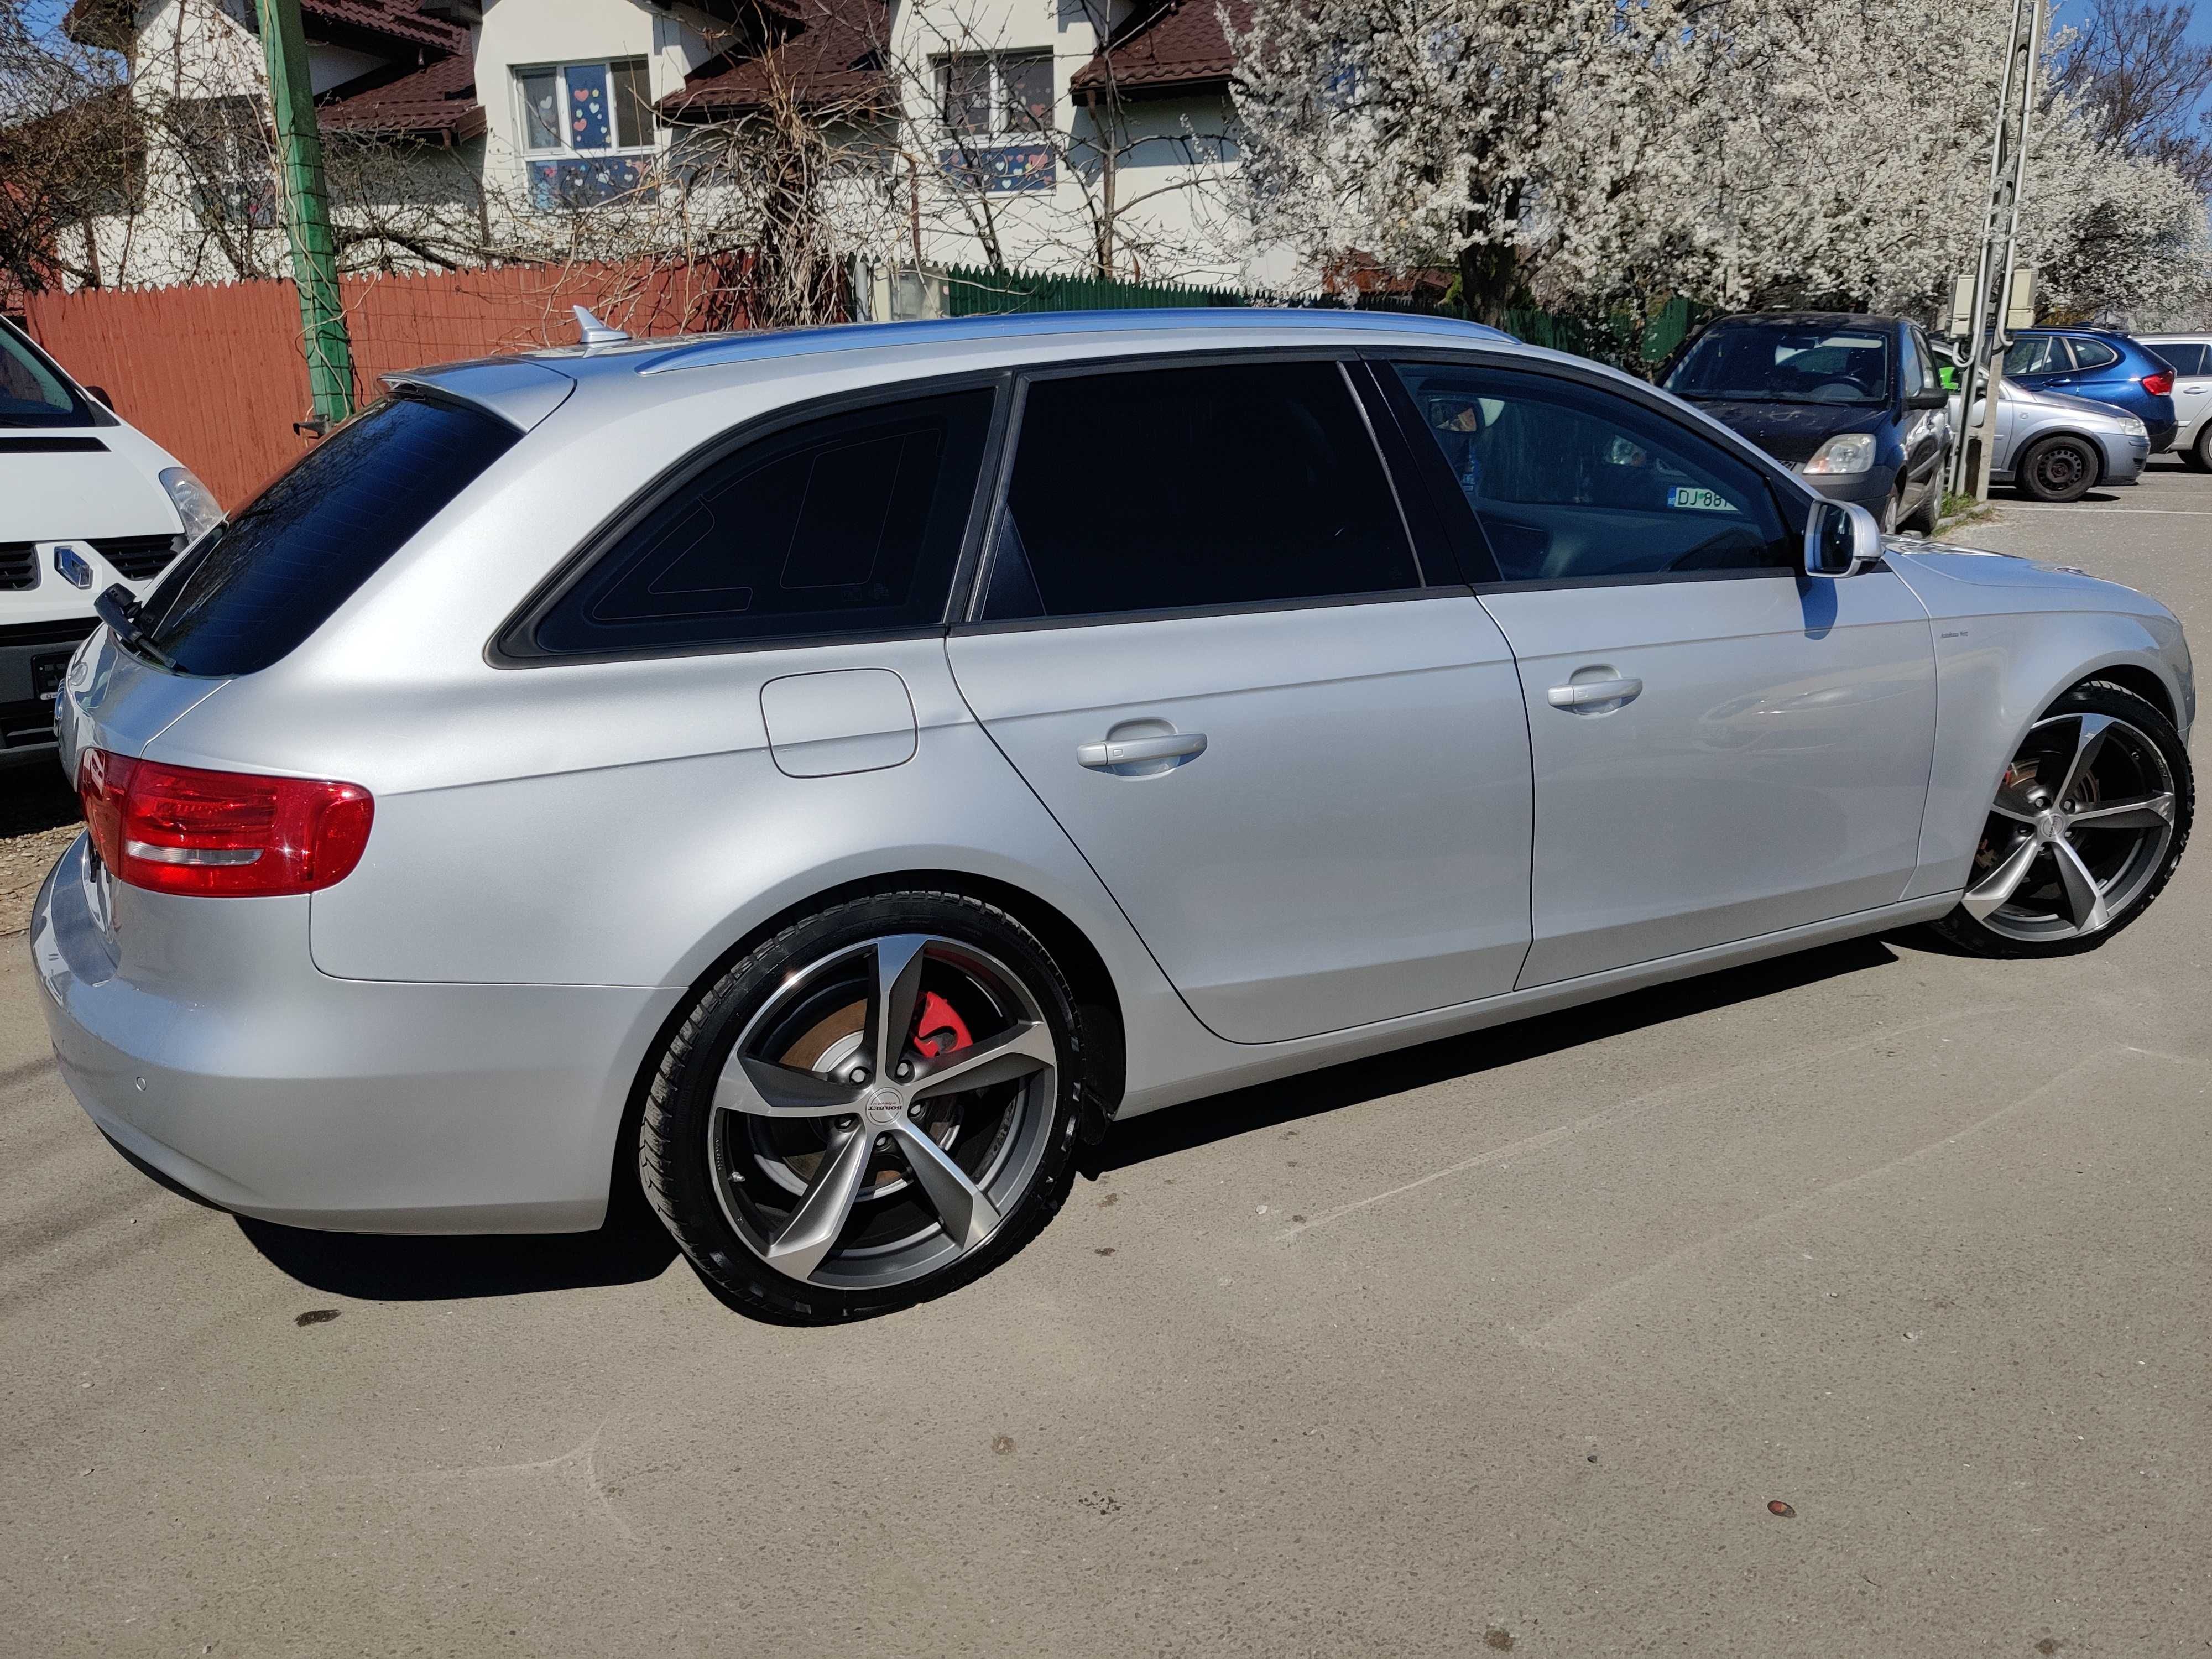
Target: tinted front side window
[
  {"x": 260, "y": 583},
  {"x": 851, "y": 523},
  {"x": 1570, "y": 482},
  {"x": 2186, "y": 357},
  {"x": 1181, "y": 488}
]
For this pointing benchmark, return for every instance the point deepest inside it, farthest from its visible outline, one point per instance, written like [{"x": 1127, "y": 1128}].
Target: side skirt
[{"x": 1270, "y": 1061}]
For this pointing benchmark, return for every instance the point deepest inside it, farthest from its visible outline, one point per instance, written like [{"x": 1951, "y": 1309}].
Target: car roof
[{"x": 516, "y": 386}]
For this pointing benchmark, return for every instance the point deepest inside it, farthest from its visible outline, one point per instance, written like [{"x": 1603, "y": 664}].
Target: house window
[
  {"x": 989, "y": 101},
  {"x": 227, "y": 152},
  {"x": 587, "y": 132}
]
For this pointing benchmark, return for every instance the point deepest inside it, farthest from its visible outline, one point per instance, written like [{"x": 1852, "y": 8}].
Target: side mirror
[
  {"x": 1841, "y": 539},
  {"x": 101, "y": 392},
  {"x": 1935, "y": 399}
]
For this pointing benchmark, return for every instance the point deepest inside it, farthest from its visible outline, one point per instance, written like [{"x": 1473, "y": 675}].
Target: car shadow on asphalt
[
  {"x": 1160, "y": 1134},
  {"x": 633, "y": 1247},
  {"x": 375, "y": 1267}
]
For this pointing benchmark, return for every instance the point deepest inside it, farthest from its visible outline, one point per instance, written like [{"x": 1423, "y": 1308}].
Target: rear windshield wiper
[{"x": 123, "y": 613}]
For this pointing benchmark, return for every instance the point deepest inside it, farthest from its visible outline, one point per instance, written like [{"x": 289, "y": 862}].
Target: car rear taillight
[
  {"x": 2160, "y": 384},
  {"x": 184, "y": 830}
]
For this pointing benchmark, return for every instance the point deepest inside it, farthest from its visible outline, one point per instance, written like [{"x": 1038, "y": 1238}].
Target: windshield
[
  {"x": 31, "y": 393},
  {"x": 1777, "y": 362}
]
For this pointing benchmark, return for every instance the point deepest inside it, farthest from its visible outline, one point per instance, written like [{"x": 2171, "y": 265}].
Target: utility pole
[
  {"x": 307, "y": 211},
  {"x": 1990, "y": 301}
]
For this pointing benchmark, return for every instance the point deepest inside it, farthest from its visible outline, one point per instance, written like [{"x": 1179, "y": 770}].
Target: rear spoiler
[{"x": 517, "y": 390}]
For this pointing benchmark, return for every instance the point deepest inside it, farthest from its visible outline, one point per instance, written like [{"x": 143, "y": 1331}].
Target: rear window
[{"x": 262, "y": 582}]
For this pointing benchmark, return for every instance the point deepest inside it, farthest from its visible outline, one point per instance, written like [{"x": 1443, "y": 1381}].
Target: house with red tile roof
[{"x": 1071, "y": 135}]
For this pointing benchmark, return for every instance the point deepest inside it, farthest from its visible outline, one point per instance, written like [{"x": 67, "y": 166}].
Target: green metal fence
[
  {"x": 971, "y": 291},
  {"x": 1616, "y": 339}
]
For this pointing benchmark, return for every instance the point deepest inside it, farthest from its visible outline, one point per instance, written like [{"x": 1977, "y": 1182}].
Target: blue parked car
[{"x": 2102, "y": 365}]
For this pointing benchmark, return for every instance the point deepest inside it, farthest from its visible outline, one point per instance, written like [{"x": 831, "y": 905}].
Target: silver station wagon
[{"x": 819, "y": 778}]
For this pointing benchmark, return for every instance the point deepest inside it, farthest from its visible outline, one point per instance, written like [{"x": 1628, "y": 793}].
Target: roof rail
[{"x": 859, "y": 336}]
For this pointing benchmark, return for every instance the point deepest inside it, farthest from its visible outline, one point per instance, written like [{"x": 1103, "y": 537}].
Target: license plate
[{"x": 47, "y": 670}]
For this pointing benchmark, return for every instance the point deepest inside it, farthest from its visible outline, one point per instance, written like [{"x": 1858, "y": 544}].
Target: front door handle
[
  {"x": 1111, "y": 752},
  {"x": 1583, "y": 694}
]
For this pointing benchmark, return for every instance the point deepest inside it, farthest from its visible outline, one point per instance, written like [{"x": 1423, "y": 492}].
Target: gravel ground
[{"x": 38, "y": 818}]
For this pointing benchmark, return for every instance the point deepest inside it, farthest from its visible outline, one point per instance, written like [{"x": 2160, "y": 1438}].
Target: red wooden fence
[{"x": 215, "y": 375}]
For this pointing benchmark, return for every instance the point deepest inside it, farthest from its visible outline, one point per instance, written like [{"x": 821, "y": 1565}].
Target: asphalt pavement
[{"x": 1513, "y": 1342}]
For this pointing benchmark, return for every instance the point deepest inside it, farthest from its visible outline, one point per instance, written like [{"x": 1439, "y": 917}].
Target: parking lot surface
[{"x": 1506, "y": 1343}]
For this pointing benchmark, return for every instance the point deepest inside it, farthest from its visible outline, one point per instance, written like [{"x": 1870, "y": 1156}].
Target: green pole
[{"x": 307, "y": 211}]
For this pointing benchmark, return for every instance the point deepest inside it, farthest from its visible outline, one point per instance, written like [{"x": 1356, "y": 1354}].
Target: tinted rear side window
[
  {"x": 848, "y": 524},
  {"x": 1177, "y": 489},
  {"x": 2184, "y": 357},
  {"x": 260, "y": 583},
  {"x": 2094, "y": 354}
]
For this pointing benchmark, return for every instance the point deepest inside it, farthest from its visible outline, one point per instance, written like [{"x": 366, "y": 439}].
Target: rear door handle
[
  {"x": 1111, "y": 752},
  {"x": 1589, "y": 692}
]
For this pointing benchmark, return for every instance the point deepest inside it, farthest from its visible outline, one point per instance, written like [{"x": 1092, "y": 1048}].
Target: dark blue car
[
  {"x": 1851, "y": 402},
  {"x": 2101, "y": 365}
]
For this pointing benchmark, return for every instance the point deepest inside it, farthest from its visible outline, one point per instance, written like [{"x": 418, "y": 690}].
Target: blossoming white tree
[{"x": 1593, "y": 153}]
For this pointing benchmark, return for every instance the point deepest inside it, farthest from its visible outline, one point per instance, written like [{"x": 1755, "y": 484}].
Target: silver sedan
[{"x": 811, "y": 782}]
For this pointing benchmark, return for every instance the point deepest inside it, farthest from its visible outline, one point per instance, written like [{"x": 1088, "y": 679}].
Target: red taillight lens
[
  {"x": 183, "y": 829},
  {"x": 2158, "y": 385}
]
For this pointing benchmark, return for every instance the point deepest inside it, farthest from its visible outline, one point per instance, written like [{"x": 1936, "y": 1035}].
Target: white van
[{"x": 86, "y": 501}]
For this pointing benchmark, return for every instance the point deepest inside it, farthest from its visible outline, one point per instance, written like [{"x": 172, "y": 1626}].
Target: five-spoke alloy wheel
[
  {"x": 2088, "y": 820},
  {"x": 873, "y": 1106}
]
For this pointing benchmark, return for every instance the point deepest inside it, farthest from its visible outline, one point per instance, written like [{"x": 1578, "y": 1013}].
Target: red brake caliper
[{"x": 940, "y": 1029}]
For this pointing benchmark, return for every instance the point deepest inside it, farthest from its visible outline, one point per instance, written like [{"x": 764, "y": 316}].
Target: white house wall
[{"x": 1184, "y": 229}]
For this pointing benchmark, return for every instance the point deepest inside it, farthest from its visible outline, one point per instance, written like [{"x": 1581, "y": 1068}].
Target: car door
[
  {"x": 2192, "y": 382},
  {"x": 1299, "y": 763},
  {"x": 2097, "y": 372},
  {"x": 1925, "y": 433},
  {"x": 1722, "y": 747}
]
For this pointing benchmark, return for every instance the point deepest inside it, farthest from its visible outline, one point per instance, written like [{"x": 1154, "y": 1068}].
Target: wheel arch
[
  {"x": 2131, "y": 677},
  {"x": 1098, "y": 997},
  {"x": 1990, "y": 694},
  {"x": 2087, "y": 440}
]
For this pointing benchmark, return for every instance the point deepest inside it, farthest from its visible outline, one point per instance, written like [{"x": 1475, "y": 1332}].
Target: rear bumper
[
  {"x": 2161, "y": 437},
  {"x": 219, "y": 1056}
]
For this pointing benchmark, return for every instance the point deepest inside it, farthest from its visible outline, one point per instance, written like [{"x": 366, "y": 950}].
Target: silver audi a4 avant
[{"x": 820, "y": 778}]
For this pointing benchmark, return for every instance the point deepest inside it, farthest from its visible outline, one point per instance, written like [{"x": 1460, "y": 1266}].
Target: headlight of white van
[
  {"x": 1847, "y": 452},
  {"x": 195, "y": 505}
]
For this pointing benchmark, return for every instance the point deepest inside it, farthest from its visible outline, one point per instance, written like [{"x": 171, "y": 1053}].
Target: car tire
[
  {"x": 786, "y": 1209},
  {"x": 1922, "y": 520},
  {"x": 2060, "y": 468},
  {"x": 2198, "y": 456},
  {"x": 2122, "y": 849}
]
